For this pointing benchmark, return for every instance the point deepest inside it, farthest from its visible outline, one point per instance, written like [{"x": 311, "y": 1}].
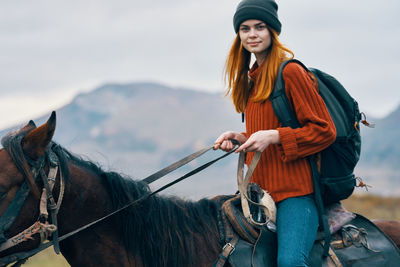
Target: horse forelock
[{"x": 12, "y": 143}]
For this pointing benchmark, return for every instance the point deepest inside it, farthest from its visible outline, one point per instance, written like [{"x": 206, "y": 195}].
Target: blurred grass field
[
  {"x": 47, "y": 258},
  {"x": 370, "y": 206},
  {"x": 374, "y": 207}
]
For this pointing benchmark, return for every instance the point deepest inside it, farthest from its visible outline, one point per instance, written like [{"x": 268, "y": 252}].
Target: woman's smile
[
  {"x": 253, "y": 43},
  {"x": 255, "y": 38}
]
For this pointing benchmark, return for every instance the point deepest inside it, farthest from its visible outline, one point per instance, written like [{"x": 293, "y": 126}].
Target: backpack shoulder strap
[
  {"x": 280, "y": 102},
  {"x": 284, "y": 111}
]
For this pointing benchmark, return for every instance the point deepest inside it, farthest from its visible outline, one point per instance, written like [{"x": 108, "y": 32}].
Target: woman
[{"x": 283, "y": 169}]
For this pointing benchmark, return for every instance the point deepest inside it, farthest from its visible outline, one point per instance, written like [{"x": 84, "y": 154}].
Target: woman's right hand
[{"x": 223, "y": 141}]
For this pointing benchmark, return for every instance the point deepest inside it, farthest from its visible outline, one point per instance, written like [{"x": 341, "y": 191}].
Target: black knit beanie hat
[{"x": 264, "y": 10}]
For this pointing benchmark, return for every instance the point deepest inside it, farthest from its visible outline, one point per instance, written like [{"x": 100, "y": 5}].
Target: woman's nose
[{"x": 252, "y": 32}]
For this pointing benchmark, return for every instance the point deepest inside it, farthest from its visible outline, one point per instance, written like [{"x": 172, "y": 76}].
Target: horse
[{"x": 156, "y": 231}]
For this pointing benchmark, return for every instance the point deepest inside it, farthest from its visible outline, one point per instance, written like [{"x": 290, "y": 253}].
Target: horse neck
[
  {"x": 181, "y": 233},
  {"x": 86, "y": 200}
]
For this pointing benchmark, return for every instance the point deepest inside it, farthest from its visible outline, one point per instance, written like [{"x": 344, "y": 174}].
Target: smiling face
[{"x": 255, "y": 38}]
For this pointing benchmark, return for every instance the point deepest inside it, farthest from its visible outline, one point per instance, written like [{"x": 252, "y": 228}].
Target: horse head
[
  {"x": 33, "y": 168},
  {"x": 157, "y": 231},
  {"x": 21, "y": 157}
]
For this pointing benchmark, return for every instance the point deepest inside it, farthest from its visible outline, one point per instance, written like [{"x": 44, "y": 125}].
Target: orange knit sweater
[{"x": 283, "y": 169}]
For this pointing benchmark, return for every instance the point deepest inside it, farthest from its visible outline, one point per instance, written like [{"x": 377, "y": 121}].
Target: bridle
[
  {"x": 47, "y": 202},
  {"x": 47, "y": 205}
]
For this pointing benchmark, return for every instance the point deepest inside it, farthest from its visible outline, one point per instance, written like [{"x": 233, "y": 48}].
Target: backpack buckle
[{"x": 232, "y": 248}]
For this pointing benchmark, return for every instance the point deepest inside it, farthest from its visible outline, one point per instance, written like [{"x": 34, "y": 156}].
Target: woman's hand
[
  {"x": 223, "y": 141},
  {"x": 259, "y": 141}
]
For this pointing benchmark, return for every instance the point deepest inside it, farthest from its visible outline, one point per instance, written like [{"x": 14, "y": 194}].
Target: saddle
[
  {"x": 247, "y": 229},
  {"x": 245, "y": 244},
  {"x": 357, "y": 243}
]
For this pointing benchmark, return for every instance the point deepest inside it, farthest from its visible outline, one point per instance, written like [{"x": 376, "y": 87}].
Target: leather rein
[{"x": 47, "y": 201}]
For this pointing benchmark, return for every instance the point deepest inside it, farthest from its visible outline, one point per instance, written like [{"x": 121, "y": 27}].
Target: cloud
[
  {"x": 51, "y": 47},
  {"x": 356, "y": 41}
]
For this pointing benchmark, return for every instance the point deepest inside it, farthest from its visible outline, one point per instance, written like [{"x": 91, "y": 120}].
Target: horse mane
[{"x": 163, "y": 231}]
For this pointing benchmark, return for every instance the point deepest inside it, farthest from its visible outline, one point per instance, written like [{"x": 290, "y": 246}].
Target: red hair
[{"x": 237, "y": 68}]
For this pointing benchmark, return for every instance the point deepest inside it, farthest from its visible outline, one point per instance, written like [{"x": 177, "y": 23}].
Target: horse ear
[
  {"x": 35, "y": 142},
  {"x": 29, "y": 127}
]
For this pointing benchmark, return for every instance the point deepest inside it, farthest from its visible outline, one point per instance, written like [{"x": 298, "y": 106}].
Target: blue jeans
[{"x": 297, "y": 224}]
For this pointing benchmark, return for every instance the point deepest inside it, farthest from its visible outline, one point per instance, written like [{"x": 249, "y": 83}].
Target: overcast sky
[{"x": 51, "y": 50}]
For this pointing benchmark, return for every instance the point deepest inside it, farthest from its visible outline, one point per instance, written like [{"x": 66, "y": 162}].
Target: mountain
[
  {"x": 381, "y": 145},
  {"x": 139, "y": 128}
]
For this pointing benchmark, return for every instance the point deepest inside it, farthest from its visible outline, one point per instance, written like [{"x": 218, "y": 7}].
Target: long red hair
[{"x": 238, "y": 65}]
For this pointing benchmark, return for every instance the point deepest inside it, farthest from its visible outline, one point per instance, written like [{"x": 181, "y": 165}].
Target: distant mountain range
[{"x": 139, "y": 128}]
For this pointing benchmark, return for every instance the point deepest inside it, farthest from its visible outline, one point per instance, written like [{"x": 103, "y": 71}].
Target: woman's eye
[{"x": 261, "y": 27}]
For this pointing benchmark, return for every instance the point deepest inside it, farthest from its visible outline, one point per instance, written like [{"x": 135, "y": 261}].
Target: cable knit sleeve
[{"x": 318, "y": 130}]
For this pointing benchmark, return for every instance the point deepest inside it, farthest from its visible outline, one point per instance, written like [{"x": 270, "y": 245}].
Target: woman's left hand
[{"x": 259, "y": 141}]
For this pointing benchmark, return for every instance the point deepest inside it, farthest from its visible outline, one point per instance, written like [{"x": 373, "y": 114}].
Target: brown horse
[
  {"x": 391, "y": 229},
  {"x": 158, "y": 231}
]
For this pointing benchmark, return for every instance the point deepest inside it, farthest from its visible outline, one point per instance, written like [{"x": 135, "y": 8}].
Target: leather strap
[
  {"x": 48, "y": 183},
  {"x": 9, "y": 216},
  {"x": 227, "y": 250},
  {"x": 243, "y": 184},
  {"x": 231, "y": 239},
  {"x": 332, "y": 259},
  {"x": 287, "y": 117},
  {"x": 155, "y": 176},
  {"x": 231, "y": 236},
  {"x": 36, "y": 228}
]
